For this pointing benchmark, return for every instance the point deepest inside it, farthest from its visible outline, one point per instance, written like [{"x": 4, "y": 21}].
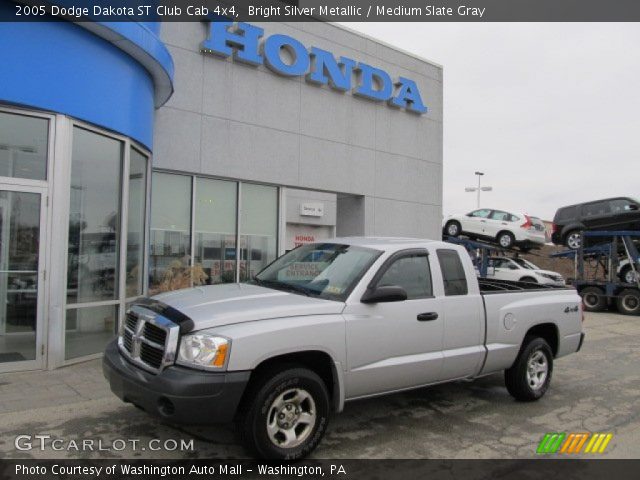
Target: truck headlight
[{"x": 203, "y": 351}]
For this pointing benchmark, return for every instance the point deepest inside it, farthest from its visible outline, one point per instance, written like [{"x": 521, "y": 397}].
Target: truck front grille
[{"x": 149, "y": 340}]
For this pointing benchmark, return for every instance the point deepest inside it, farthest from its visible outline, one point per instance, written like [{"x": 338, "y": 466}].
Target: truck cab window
[
  {"x": 455, "y": 280},
  {"x": 412, "y": 273}
]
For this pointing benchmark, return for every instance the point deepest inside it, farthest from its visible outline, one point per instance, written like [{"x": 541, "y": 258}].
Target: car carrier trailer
[{"x": 596, "y": 267}]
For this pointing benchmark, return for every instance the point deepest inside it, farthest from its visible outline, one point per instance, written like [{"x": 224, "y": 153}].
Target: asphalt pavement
[{"x": 596, "y": 390}]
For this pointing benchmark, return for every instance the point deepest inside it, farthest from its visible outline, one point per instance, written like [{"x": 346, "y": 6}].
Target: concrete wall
[{"x": 232, "y": 120}]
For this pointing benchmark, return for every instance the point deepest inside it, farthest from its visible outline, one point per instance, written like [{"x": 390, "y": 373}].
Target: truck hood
[{"x": 217, "y": 305}]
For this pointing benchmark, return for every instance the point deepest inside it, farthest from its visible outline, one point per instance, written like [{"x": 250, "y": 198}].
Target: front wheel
[
  {"x": 529, "y": 377},
  {"x": 453, "y": 229},
  {"x": 287, "y": 416}
]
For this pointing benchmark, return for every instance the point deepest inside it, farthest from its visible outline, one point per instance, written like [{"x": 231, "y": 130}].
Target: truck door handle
[{"x": 427, "y": 317}]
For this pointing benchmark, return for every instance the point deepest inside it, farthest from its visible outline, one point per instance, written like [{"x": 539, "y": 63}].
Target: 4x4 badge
[{"x": 571, "y": 309}]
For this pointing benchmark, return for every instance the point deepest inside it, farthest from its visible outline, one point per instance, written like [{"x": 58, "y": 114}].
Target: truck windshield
[{"x": 324, "y": 270}]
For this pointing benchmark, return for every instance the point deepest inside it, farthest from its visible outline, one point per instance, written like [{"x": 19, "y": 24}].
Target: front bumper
[{"x": 177, "y": 394}]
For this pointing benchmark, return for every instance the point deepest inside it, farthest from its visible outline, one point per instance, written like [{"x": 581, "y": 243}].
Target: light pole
[{"x": 478, "y": 188}]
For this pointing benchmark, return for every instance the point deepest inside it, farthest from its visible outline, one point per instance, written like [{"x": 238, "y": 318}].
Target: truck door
[
  {"x": 464, "y": 319},
  {"x": 395, "y": 345}
]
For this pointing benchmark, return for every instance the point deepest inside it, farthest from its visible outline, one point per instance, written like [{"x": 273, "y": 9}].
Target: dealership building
[{"x": 138, "y": 158}]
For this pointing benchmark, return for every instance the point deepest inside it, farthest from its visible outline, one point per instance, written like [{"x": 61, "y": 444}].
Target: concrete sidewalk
[{"x": 40, "y": 389}]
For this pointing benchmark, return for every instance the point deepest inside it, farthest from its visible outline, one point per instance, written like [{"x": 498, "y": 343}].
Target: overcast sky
[{"x": 550, "y": 112}]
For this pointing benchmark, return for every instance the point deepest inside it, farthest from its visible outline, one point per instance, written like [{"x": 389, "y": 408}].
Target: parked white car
[
  {"x": 505, "y": 228},
  {"x": 521, "y": 270}
]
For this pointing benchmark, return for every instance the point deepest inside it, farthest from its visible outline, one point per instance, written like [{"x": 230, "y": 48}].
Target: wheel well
[
  {"x": 315, "y": 360},
  {"x": 547, "y": 331},
  {"x": 528, "y": 277}
]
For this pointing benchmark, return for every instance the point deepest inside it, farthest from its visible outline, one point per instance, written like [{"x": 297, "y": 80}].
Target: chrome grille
[
  {"x": 155, "y": 334},
  {"x": 149, "y": 340}
]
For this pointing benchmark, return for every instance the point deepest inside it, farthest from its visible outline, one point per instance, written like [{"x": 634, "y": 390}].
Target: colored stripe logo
[{"x": 574, "y": 443}]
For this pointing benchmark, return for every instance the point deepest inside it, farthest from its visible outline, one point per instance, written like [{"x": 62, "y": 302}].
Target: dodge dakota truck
[{"x": 333, "y": 322}]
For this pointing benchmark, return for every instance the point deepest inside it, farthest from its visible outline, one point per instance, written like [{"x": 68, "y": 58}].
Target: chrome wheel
[
  {"x": 574, "y": 240},
  {"x": 291, "y": 418},
  {"x": 630, "y": 276},
  {"x": 537, "y": 370},
  {"x": 505, "y": 240},
  {"x": 453, "y": 230}
]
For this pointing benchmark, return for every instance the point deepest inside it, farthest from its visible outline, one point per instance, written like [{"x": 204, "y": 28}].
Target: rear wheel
[
  {"x": 506, "y": 239},
  {"x": 627, "y": 275},
  {"x": 573, "y": 240},
  {"x": 453, "y": 229},
  {"x": 593, "y": 299},
  {"x": 529, "y": 377},
  {"x": 286, "y": 414},
  {"x": 628, "y": 302}
]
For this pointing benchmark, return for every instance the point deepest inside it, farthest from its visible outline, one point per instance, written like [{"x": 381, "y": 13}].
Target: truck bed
[{"x": 489, "y": 286}]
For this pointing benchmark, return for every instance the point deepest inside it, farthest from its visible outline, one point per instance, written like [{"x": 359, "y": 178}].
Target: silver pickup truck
[{"x": 334, "y": 322}]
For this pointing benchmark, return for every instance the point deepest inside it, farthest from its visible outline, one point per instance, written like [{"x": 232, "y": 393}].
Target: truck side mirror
[{"x": 388, "y": 293}]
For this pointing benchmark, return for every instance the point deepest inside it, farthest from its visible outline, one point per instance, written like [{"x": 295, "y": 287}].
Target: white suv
[
  {"x": 505, "y": 228},
  {"x": 521, "y": 270}
]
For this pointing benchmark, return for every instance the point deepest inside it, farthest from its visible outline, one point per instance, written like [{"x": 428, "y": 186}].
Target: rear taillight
[
  {"x": 554, "y": 228},
  {"x": 581, "y": 307},
  {"x": 527, "y": 225}
]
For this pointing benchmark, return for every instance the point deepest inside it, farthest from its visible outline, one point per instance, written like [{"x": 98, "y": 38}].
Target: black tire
[
  {"x": 453, "y": 229},
  {"x": 593, "y": 299},
  {"x": 263, "y": 396},
  {"x": 628, "y": 302},
  {"x": 521, "y": 386},
  {"x": 573, "y": 239},
  {"x": 528, "y": 280},
  {"x": 627, "y": 275},
  {"x": 506, "y": 239}
]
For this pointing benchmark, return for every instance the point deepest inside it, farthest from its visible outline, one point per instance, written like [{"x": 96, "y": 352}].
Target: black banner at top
[{"x": 323, "y": 10}]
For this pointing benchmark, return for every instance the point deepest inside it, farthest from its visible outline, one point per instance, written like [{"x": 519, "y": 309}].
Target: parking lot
[{"x": 597, "y": 390}]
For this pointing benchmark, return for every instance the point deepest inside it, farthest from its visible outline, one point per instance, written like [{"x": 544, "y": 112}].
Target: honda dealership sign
[{"x": 321, "y": 67}]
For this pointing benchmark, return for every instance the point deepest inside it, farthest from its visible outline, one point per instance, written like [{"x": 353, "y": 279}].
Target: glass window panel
[
  {"x": 453, "y": 275},
  {"x": 215, "y": 232},
  {"x": 23, "y": 146},
  {"x": 94, "y": 218},
  {"x": 170, "y": 254},
  {"x": 19, "y": 249},
  {"x": 411, "y": 273},
  {"x": 259, "y": 228},
  {"x": 89, "y": 329},
  {"x": 136, "y": 223}
]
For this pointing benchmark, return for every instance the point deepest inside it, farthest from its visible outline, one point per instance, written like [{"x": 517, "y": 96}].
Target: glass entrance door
[{"x": 21, "y": 274}]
